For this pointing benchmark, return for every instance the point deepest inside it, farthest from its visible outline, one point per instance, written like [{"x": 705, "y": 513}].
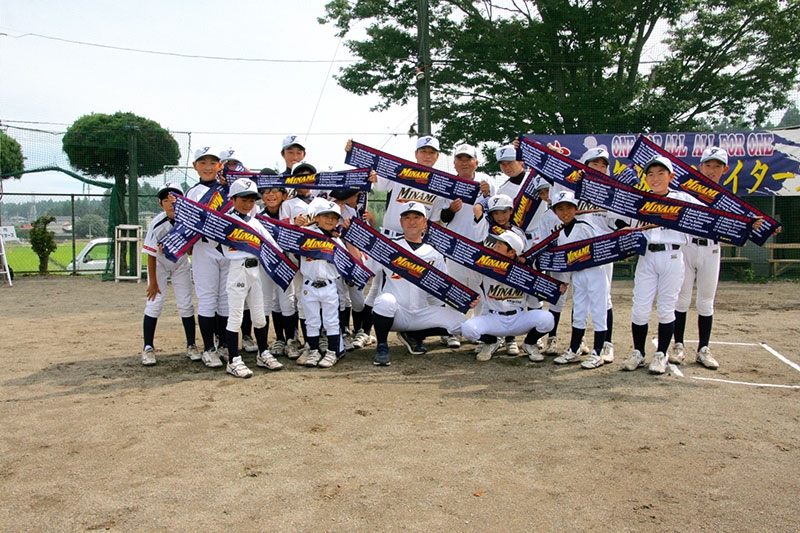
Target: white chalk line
[{"x": 677, "y": 372}]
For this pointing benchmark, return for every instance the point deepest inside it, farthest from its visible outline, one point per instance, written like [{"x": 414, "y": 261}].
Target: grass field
[{"x": 22, "y": 259}]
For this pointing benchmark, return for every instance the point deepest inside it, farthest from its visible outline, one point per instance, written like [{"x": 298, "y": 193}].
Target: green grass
[{"x": 22, "y": 259}]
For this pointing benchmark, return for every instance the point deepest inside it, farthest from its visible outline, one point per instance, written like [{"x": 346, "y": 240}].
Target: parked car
[{"x": 94, "y": 256}]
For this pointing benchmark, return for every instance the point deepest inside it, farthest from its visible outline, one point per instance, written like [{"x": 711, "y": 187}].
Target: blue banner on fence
[
  {"x": 408, "y": 266},
  {"x": 233, "y": 233},
  {"x": 762, "y": 163},
  {"x": 309, "y": 243},
  {"x": 489, "y": 263},
  {"x": 711, "y": 194},
  {"x": 412, "y": 174},
  {"x": 593, "y": 252}
]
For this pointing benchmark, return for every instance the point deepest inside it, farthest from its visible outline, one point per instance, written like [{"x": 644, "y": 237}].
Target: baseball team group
[{"x": 319, "y": 317}]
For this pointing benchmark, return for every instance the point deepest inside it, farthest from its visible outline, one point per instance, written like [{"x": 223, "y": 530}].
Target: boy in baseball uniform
[
  {"x": 244, "y": 284},
  {"x": 159, "y": 270},
  {"x": 504, "y": 307}
]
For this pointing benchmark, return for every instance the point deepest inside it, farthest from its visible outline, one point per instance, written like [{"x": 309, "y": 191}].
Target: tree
[
  {"x": 575, "y": 66},
  {"x": 11, "y": 158},
  {"x": 790, "y": 118},
  {"x": 43, "y": 242},
  {"x": 97, "y": 145},
  {"x": 90, "y": 226}
]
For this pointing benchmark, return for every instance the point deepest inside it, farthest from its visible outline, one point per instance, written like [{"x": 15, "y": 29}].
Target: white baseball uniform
[{"x": 180, "y": 273}]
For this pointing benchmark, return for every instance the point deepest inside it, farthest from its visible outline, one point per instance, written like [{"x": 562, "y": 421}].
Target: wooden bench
[
  {"x": 778, "y": 262},
  {"x": 731, "y": 256}
]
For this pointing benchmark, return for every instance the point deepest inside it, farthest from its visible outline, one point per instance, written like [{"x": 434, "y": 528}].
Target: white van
[{"x": 92, "y": 259}]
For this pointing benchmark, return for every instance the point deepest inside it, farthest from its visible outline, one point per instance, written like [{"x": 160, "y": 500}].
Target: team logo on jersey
[
  {"x": 420, "y": 176},
  {"x": 503, "y": 292},
  {"x": 670, "y": 212},
  {"x": 412, "y": 268},
  {"x": 240, "y": 235},
  {"x": 578, "y": 256},
  {"x": 501, "y": 267},
  {"x": 317, "y": 244},
  {"x": 216, "y": 201},
  {"x": 299, "y": 180},
  {"x": 707, "y": 194},
  {"x": 409, "y": 194}
]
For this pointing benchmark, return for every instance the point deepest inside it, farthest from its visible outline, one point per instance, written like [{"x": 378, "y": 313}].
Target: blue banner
[
  {"x": 527, "y": 202},
  {"x": 412, "y": 174},
  {"x": 408, "y": 266},
  {"x": 317, "y": 246},
  {"x": 712, "y": 194},
  {"x": 180, "y": 238},
  {"x": 695, "y": 219},
  {"x": 593, "y": 252},
  {"x": 344, "y": 179},
  {"x": 762, "y": 163},
  {"x": 489, "y": 263},
  {"x": 234, "y": 233}
]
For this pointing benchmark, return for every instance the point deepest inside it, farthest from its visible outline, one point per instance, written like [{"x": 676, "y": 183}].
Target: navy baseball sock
[
  {"x": 344, "y": 319},
  {"x": 639, "y": 336},
  {"x": 556, "y": 318},
  {"x": 232, "y": 338},
  {"x": 704, "y": 330},
  {"x": 533, "y": 336},
  {"x": 208, "y": 325},
  {"x": 609, "y": 324},
  {"x": 303, "y": 329},
  {"x": 576, "y": 339},
  {"x": 189, "y": 330},
  {"x": 680, "y": 325},
  {"x": 366, "y": 317},
  {"x": 261, "y": 338},
  {"x": 247, "y": 323},
  {"x": 313, "y": 342},
  {"x": 149, "y": 329},
  {"x": 334, "y": 344},
  {"x": 277, "y": 324},
  {"x": 665, "y": 332},
  {"x": 222, "y": 324},
  {"x": 383, "y": 324},
  {"x": 358, "y": 320},
  {"x": 290, "y": 326},
  {"x": 488, "y": 339},
  {"x": 599, "y": 338}
]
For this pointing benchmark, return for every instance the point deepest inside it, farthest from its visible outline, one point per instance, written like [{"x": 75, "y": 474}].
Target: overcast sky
[{"x": 46, "y": 80}]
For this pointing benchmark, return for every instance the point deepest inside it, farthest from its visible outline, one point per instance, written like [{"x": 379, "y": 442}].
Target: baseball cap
[
  {"x": 414, "y": 207},
  {"x": 506, "y": 153},
  {"x": 541, "y": 184},
  {"x": 303, "y": 165},
  {"x": 168, "y": 188},
  {"x": 268, "y": 172},
  {"x": 511, "y": 239},
  {"x": 229, "y": 155},
  {"x": 466, "y": 149},
  {"x": 565, "y": 197},
  {"x": 428, "y": 140},
  {"x": 243, "y": 188},
  {"x": 594, "y": 153},
  {"x": 500, "y": 202},
  {"x": 328, "y": 207},
  {"x": 715, "y": 153},
  {"x": 659, "y": 160},
  {"x": 291, "y": 140},
  {"x": 343, "y": 194},
  {"x": 202, "y": 152}
]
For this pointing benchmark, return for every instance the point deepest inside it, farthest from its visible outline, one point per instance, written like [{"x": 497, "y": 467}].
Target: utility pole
[
  {"x": 423, "y": 70},
  {"x": 133, "y": 190}
]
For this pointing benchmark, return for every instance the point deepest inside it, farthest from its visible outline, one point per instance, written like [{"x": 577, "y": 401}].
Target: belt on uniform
[
  {"x": 662, "y": 247},
  {"x": 250, "y": 262},
  {"x": 318, "y": 283},
  {"x": 504, "y": 313},
  {"x": 702, "y": 242}
]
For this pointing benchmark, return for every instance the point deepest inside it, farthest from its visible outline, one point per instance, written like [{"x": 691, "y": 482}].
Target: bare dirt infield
[{"x": 94, "y": 441}]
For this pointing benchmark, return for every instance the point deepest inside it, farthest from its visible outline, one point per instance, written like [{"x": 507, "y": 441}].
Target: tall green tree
[
  {"x": 12, "y": 162},
  {"x": 575, "y": 66},
  {"x": 97, "y": 145}
]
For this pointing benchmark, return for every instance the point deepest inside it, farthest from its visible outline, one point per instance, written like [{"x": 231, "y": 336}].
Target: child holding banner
[
  {"x": 244, "y": 284},
  {"x": 505, "y": 308},
  {"x": 589, "y": 286}
]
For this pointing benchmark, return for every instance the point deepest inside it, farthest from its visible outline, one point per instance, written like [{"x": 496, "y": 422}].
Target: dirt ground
[{"x": 92, "y": 440}]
